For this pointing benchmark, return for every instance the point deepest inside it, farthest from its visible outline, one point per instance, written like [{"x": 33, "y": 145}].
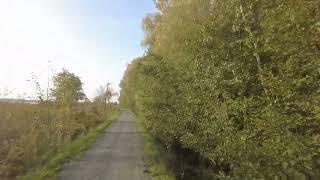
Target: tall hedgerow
[{"x": 236, "y": 81}]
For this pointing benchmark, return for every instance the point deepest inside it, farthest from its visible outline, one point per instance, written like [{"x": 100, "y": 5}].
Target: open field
[
  {"x": 69, "y": 151},
  {"x": 31, "y": 133}
]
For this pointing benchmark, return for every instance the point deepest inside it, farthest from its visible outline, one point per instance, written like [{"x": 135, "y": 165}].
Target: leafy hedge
[{"x": 236, "y": 81}]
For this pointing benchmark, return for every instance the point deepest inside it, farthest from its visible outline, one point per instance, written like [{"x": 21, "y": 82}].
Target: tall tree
[{"x": 67, "y": 89}]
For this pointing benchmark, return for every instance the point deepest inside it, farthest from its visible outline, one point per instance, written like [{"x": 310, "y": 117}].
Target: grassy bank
[
  {"x": 69, "y": 151},
  {"x": 171, "y": 164},
  {"x": 156, "y": 157}
]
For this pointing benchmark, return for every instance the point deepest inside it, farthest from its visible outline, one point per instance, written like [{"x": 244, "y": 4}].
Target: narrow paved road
[{"x": 116, "y": 155}]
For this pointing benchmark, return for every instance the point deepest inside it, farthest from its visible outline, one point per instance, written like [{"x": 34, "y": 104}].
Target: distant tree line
[{"x": 236, "y": 81}]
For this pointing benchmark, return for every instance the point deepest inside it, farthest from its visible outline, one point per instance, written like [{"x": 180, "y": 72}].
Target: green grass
[
  {"x": 68, "y": 152},
  {"x": 155, "y": 155}
]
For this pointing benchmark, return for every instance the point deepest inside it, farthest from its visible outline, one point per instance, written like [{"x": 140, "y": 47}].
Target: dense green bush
[{"x": 236, "y": 81}]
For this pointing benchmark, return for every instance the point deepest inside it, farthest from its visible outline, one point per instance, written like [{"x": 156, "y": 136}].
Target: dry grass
[{"x": 30, "y": 133}]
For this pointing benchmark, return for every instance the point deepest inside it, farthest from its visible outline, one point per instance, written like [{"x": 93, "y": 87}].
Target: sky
[{"x": 95, "y": 39}]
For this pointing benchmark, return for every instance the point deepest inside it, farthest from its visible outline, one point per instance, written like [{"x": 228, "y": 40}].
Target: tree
[
  {"x": 149, "y": 24},
  {"x": 67, "y": 89},
  {"x": 104, "y": 95},
  {"x": 162, "y": 5},
  {"x": 235, "y": 81}
]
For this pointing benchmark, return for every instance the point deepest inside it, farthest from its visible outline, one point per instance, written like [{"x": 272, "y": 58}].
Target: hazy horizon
[{"x": 93, "y": 39}]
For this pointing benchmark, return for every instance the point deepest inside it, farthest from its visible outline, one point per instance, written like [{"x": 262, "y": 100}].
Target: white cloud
[{"x": 31, "y": 34}]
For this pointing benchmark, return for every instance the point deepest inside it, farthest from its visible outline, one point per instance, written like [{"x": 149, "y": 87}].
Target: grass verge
[
  {"x": 68, "y": 152},
  {"x": 156, "y": 157}
]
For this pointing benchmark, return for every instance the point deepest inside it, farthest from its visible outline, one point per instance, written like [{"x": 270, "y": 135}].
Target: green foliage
[
  {"x": 155, "y": 156},
  {"x": 236, "y": 81},
  {"x": 149, "y": 25},
  {"x": 67, "y": 89}
]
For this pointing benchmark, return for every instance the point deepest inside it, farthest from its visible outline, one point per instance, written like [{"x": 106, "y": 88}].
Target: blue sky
[
  {"x": 109, "y": 23},
  {"x": 95, "y": 39}
]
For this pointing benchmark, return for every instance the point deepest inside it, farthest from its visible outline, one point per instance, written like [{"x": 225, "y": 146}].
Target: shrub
[{"x": 236, "y": 81}]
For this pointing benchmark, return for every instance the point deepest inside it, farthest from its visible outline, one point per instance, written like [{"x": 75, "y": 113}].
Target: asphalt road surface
[{"x": 116, "y": 155}]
